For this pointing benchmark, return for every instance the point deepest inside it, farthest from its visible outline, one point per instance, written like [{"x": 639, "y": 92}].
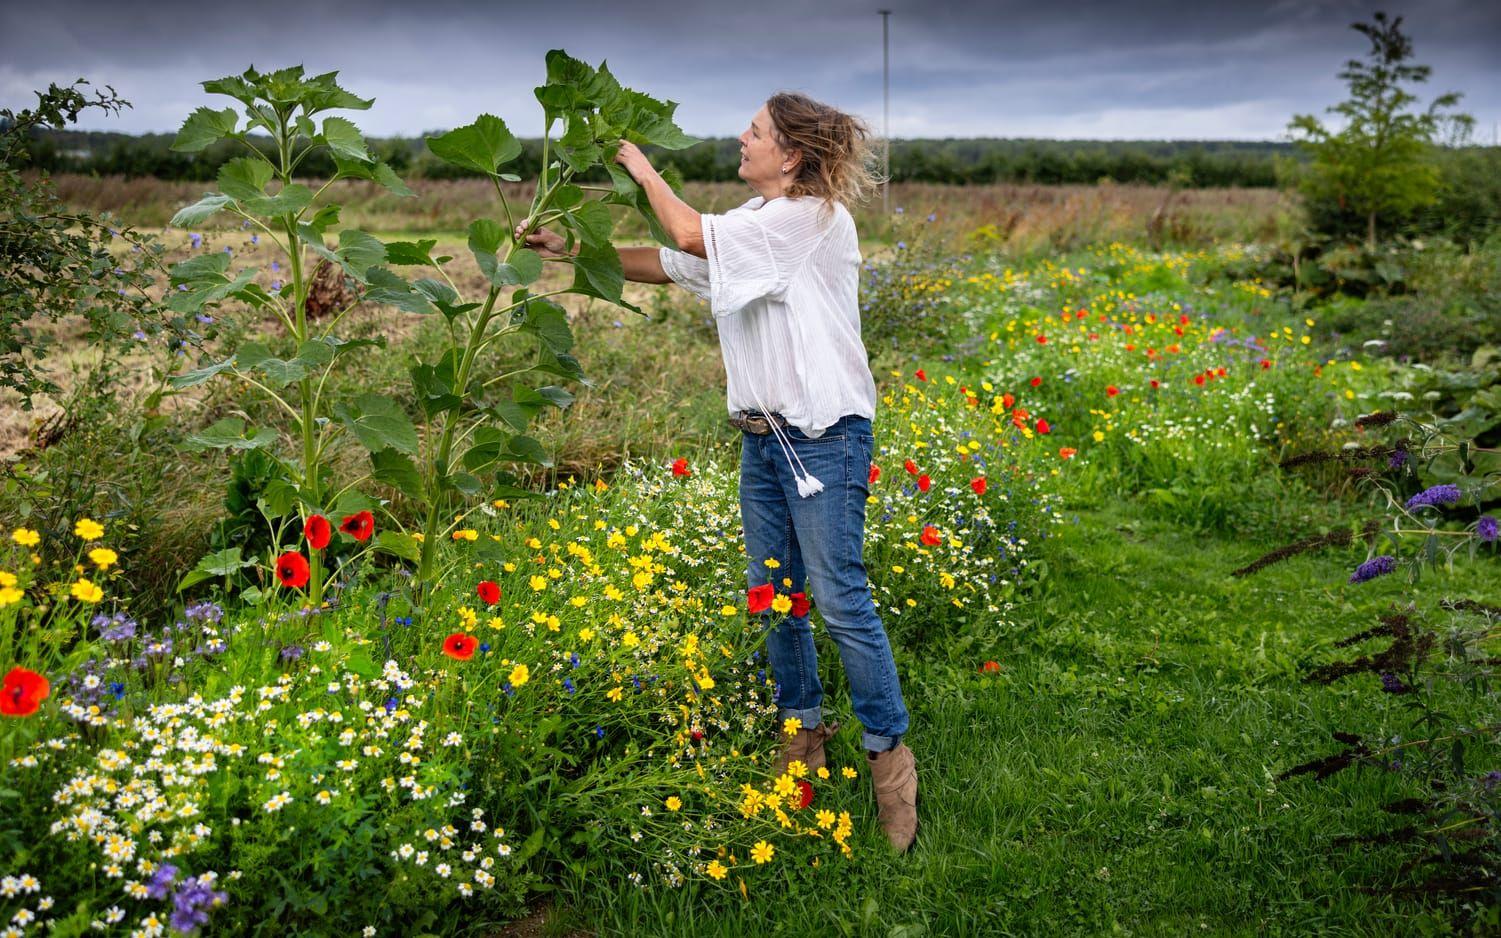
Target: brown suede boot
[
  {"x": 893, "y": 774},
  {"x": 805, "y": 746}
]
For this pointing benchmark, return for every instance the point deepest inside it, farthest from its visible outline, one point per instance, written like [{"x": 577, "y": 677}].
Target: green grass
[{"x": 1117, "y": 775}]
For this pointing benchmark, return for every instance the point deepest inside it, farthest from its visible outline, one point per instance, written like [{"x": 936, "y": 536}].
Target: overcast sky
[{"x": 1098, "y": 69}]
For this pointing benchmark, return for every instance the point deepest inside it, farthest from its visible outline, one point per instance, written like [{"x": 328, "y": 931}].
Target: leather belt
[{"x": 754, "y": 421}]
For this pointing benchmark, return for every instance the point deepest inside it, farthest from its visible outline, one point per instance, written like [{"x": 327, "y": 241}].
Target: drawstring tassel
[{"x": 808, "y": 485}]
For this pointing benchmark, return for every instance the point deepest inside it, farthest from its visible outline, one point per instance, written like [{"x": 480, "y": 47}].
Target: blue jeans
[{"x": 819, "y": 542}]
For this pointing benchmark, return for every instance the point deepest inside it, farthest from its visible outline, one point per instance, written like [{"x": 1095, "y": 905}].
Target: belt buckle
[{"x": 754, "y": 423}]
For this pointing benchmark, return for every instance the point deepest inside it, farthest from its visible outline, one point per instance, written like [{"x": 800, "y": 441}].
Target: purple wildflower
[
  {"x": 1397, "y": 460},
  {"x": 161, "y": 881},
  {"x": 1376, "y": 566},
  {"x": 1392, "y": 684},
  {"x": 191, "y": 905},
  {"x": 1486, "y": 528},
  {"x": 1445, "y": 494},
  {"x": 1491, "y": 779},
  {"x": 292, "y": 652}
]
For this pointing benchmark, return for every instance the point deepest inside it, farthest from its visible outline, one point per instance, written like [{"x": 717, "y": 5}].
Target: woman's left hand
[{"x": 635, "y": 162}]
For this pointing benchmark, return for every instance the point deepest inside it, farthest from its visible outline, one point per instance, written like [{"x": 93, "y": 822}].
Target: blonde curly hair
[{"x": 839, "y": 160}]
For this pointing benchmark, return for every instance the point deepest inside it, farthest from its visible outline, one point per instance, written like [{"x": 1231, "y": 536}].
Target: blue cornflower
[
  {"x": 1445, "y": 494},
  {"x": 390, "y": 704},
  {"x": 568, "y": 685},
  {"x": 574, "y": 659},
  {"x": 1376, "y": 566},
  {"x": 599, "y": 731},
  {"x": 508, "y": 689},
  {"x": 117, "y": 689},
  {"x": 484, "y": 648}
]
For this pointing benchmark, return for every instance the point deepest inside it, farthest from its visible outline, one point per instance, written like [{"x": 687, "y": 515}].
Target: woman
[{"x": 781, "y": 273}]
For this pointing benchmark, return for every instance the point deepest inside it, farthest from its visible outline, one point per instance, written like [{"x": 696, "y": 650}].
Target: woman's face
[{"x": 761, "y": 159}]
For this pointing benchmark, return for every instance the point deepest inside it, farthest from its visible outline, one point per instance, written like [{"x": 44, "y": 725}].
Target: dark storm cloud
[{"x": 1096, "y": 69}]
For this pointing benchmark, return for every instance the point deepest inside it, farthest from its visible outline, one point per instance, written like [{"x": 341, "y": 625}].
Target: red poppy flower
[
  {"x": 22, "y": 692},
  {"x": 910, "y": 466},
  {"x": 1068, "y": 452},
  {"x": 697, "y": 735},
  {"x": 318, "y": 531},
  {"x": 292, "y": 570},
  {"x": 459, "y": 646},
  {"x": 489, "y": 592},
  {"x": 930, "y": 536},
  {"x": 1007, "y": 400},
  {"x": 1042, "y": 340},
  {"x": 1220, "y": 372},
  {"x": 924, "y": 483},
  {"x": 875, "y": 473},
  {"x": 1112, "y": 391},
  {"x": 990, "y": 667},
  {"x": 1265, "y": 364},
  {"x": 758, "y": 598},
  {"x": 1198, "y": 379},
  {"x": 359, "y": 525},
  {"x": 1155, "y": 385},
  {"x": 922, "y": 375},
  {"x": 978, "y": 484},
  {"x": 1042, "y": 427},
  {"x": 1036, "y": 382},
  {"x": 1183, "y": 319},
  {"x": 680, "y": 468},
  {"x": 800, "y": 605},
  {"x": 805, "y": 793}
]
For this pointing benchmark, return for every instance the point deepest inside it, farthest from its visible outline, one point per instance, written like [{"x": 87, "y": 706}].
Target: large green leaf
[
  {"x": 411, "y": 253},
  {"x": 199, "y": 375},
  {"x": 357, "y": 253},
  {"x": 484, "y": 145},
  {"x": 386, "y": 176},
  {"x": 593, "y": 222},
  {"x": 245, "y": 177},
  {"x": 235, "y": 86},
  {"x": 548, "y": 322},
  {"x": 279, "y": 372},
  {"x": 398, "y": 471},
  {"x": 292, "y": 199},
  {"x": 203, "y": 127},
  {"x": 526, "y": 449},
  {"x": 379, "y": 423},
  {"x": 345, "y": 139},
  {"x": 400, "y": 545},
  {"x": 597, "y": 272},
  {"x": 322, "y": 93},
  {"x": 388, "y": 289},
  {"x": 229, "y": 433},
  {"x": 195, "y": 214},
  {"x": 485, "y": 238},
  {"x": 226, "y": 562},
  {"x": 434, "y": 384}
]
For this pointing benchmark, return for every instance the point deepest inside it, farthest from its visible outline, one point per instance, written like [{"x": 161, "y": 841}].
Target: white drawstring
[{"x": 807, "y": 484}]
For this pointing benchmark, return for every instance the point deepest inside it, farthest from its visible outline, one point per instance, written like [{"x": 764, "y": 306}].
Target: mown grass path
[{"x": 1117, "y": 775}]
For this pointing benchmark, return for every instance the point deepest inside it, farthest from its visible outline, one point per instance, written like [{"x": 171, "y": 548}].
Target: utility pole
[{"x": 886, "y": 109}]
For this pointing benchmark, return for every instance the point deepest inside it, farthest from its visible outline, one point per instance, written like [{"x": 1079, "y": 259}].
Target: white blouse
[{"x": 782, "y": 279}]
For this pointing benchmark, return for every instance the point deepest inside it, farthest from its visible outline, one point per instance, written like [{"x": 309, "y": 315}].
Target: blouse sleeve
[
  {"x": 755, "y": 254},
  {"x": 687, "y": 270}
]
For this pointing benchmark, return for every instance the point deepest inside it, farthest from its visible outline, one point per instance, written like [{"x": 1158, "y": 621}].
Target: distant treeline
[{"x": 954, "y": 161}]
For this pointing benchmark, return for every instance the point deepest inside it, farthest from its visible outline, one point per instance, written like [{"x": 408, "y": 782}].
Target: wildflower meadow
[{"x": 1193, "y": 597}]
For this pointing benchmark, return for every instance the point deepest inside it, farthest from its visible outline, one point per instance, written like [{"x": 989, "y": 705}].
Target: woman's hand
[
  {"x": 546, "y": 243},
  {"x": 635, "y": 162}
]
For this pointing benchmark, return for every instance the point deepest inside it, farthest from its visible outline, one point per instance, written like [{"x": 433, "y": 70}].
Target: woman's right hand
[{"x": 544, "y": 242}]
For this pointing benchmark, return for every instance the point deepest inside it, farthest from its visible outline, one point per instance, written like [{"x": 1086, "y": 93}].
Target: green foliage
[
  {"x": 56, "y": 264},
  {"x": 1380, "y": 163}
]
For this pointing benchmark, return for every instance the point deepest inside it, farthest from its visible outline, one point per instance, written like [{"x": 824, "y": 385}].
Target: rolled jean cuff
[
  {"x": 879, "y": 743},
  {"x": 809, "y": 718}
]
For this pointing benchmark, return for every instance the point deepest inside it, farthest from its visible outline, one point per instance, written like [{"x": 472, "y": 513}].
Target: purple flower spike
[
  {"x": 1376, "y": 566},
  {"x": 1435, "y": 496}
]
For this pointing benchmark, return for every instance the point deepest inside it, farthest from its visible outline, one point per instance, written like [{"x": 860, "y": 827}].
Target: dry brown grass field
[{"x": 1017, "y": 218}]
